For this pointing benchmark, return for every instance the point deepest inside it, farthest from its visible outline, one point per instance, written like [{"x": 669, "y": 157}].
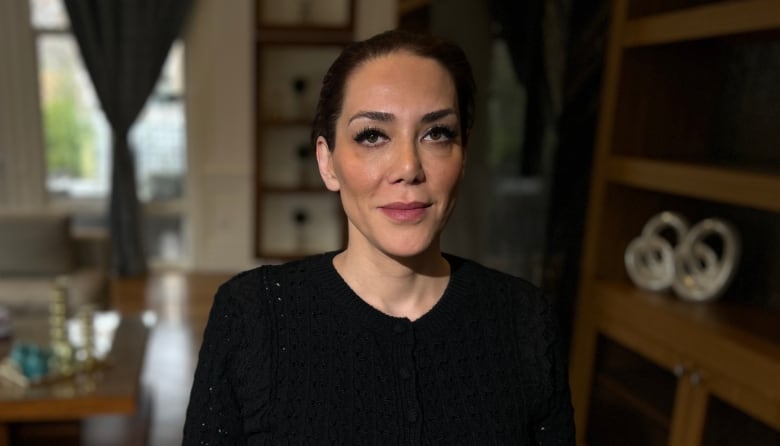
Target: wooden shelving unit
[
  {"x": 409, "y": 6},
  {"x": 626, "y": 390},
  {"x": 295, "y": 215},
  {"x": 672, "y": 135},
  {"x": 702, "y": 22},
  {"x": 715, "y": 183},
  {"x": 310, "y": 35}
]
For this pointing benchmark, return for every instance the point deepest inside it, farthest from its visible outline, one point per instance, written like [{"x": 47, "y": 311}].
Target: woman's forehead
[{"x": 399, "y": 81}]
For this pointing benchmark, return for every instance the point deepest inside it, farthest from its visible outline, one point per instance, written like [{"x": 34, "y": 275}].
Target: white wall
[
  {"x": 220, "y": 110},
  {"x": 22, "y": 169},
  {"x": 219, "y": 134},
  {"x": 374, "y": 16}
]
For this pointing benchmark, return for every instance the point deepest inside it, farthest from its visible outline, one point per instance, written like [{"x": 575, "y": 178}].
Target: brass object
[
  {"x": 87, "y": 319},
  {"x": 62, "y": 360}
]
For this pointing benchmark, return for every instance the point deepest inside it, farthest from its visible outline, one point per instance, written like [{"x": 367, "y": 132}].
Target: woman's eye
[
  {"x": 440, "y": 133},
  {"x": 370, "y": 137}
]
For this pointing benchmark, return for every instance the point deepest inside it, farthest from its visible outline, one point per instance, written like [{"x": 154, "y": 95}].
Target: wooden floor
[{"x": 181, "y": 303}]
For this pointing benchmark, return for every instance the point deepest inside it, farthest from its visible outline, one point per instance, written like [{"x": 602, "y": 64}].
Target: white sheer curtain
[{"x": 22, "y": 166}]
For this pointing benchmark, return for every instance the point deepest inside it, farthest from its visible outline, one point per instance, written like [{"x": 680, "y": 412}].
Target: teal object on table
[{"x": 32, "y": 359}]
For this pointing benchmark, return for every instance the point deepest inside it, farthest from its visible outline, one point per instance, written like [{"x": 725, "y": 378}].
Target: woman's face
[{"x": 398, "y": 156}]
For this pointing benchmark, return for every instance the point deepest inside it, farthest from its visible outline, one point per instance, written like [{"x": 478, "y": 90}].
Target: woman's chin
[
  {"x": 409, "y": 250},
  {"x": 415, "y": 242}
]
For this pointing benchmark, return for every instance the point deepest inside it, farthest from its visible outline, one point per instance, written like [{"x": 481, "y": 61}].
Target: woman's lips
[{"x": 405, "y": 212}]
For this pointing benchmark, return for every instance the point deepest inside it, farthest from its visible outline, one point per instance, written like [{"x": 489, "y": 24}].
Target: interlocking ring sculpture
[
  {"x": 690, "y": 266},
  {"x": 649, "y": 258}
]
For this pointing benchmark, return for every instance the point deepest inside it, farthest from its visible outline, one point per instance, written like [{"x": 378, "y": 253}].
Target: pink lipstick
[{"x": 405, "y": 212}]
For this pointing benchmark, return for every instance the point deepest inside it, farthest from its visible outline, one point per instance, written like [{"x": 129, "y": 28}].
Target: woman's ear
[{"x": 325, "y": 164}]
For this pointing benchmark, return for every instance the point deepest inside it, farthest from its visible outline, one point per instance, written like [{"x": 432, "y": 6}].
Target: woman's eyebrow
[
  {"x": 436, "y": 115},
  {"x": 372, "y": 115},
  {"x": 387, "y": 117}
]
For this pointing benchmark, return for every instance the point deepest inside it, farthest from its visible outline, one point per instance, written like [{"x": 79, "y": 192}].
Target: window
[
  {"x": 78, "y": 137},
  {"x": 76, "y": 134}
]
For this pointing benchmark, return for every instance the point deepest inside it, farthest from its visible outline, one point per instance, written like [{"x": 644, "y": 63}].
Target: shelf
[
  {"x": 734, "y": 343},
  {"x": 304, "y": 35},
  {"x": 295, "y": 44},
  {"x": 282, "y": 122},
  {"x": 702, "y": 22},
  {"x": 408, "y": 6},
  {"x": 294, "y": 190},
  {"x": 727, "y": 426},
  {"x": 622, "y": 389},
  {"x": 287, "y": 256},
  {"x": 618, "y": 415},
  {"x": 753, "y": 328},
  {"x": 738, "y": 187},
  {"x": 687, "y": 123}
]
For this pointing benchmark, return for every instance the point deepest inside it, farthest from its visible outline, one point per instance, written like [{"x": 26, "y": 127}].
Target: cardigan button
[
  {"x": 411, "y": 415},
  {"x": 400, "y": 328},
  {"x": 404, "y": 373}
]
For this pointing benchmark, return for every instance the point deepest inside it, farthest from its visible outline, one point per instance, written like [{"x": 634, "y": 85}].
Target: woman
[{"x": 388, "y": 341}]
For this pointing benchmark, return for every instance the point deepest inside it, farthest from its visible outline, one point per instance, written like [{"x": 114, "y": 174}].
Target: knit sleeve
[
  {"x": 213, "y": 415},
  {"x": 553, "y": 423}
]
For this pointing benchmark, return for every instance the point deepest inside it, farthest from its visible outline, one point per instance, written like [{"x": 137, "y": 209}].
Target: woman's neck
[{"x": 407, "y": 287}]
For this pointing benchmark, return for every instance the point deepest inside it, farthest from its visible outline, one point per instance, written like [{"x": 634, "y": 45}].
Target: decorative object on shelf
[
  {"x": 702, "y": 275},
  {"x": 102, "y": 328},
  {"x": 31, "y": 364},
  {"x": 690, "y": 266},
  {"x": 649, "y": 258},
  {"x": 299, "y": 86},
  {"x": 87, "y": 351},
  {"x": 295, "y": 43},
  {"x": 300, "y": 217},
  {"x": 308, "y": 175},
  {"x": 32, "y": 360},
  {"x": 62, "y": 351}
]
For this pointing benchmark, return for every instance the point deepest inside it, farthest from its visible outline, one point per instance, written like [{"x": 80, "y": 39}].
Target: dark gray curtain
[
  {"x": 520, "y": 26},
  {"x": 124, "y": 44},
  {"x": 587, "y": 38}
]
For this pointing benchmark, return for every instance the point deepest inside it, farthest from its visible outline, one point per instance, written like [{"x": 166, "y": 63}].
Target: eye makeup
[{"x": 369, "y": 136}]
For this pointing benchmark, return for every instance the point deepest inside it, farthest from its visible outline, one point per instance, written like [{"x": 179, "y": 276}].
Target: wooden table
[{"x": 59, "y": 408}]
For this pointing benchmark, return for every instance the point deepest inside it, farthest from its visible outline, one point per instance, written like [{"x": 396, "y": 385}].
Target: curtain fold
[
  {"x": 520, "y": 26},
  {"x": 124, "y": 44},
  {"x": 557, "y": 49},
  {"x": 587, "y": 37}
]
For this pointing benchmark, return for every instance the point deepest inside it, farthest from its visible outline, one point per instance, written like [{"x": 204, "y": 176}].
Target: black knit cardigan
[{"x": 291, "y": 355}]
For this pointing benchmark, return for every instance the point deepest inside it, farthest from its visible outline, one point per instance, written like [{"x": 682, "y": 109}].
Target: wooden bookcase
[
  {"x": 295, "y": 43},
  {"x": 689, "y": 122}
]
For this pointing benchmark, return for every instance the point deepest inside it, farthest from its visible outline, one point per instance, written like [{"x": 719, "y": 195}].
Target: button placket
[
  {"x": 405, "y": 336},
  {"x": 401, "y": 328}
]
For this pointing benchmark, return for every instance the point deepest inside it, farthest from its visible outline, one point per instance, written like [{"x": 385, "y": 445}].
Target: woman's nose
[{"x": 407, "y": 166}]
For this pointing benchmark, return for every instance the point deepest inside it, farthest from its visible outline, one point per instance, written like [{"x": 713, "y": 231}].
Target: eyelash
[
  {"x": 445, "y": 132},
  {"x": 368, "y": 132},
  {"x": 448, "y": 133}
]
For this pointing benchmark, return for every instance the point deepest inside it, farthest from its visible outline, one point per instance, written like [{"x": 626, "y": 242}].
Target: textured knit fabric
[{"x": 291, "y": 355}]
